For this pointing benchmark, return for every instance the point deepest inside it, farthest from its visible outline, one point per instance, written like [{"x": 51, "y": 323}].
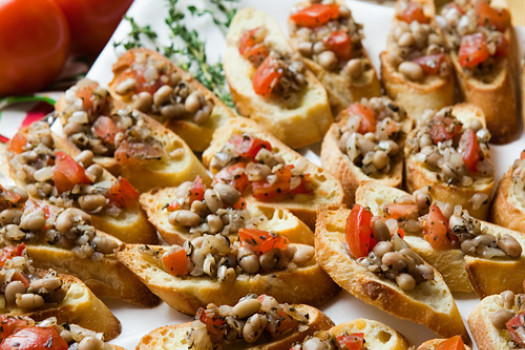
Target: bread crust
[
  {"x": 418, "y": 175},
  {"x": 505, "y": 210},
  {"x": 308, "y": 284},
  {"x": 432, "y": 344},
  {"x": 172, "y": 336},
  {"x": 441, "y": 317},
  {"x": 197, "y": 136},
  {"x": 328, "y": 191},
  {"x": 297, "y": 127},
  {"x": 280, "y": 221}
]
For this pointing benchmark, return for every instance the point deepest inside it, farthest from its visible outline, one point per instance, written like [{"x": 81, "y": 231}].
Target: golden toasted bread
[
  {"x": 197, "y": 134},
  {"x": 436, "y": 343},
  {"x": 343, "y": 87},
  {"x": 299, "y": 118},
  {"x": 429, "y": 303},
  {"x": 327, "y": 191}
]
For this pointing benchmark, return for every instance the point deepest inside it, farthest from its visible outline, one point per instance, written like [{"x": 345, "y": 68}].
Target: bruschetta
[
  {"x": 49, "y": 168},
  {"x": 366, "y": 145},
  {"x": 192, "y": 210},
  {"x": 40, "y": 294},
  {"x": 455, "y": 343},
  {"x": 126, "y": 142},
  {"x": 359, "y": 334},
  {"x": 151, "y": 83},
  {"x": 271, "y": 84},
  {"x": 372, "y": 262},
  {"x": 214, "y": 269},
  {"x": 415, "y": 68},
  {"x": 65, "y": 241},
  {"x": 497, "y": 322},
  {"x": 264, "y": 169},
  {"x": 449, "y": 152},
  {"x": 329, "y": 41},
  {"x": 255, "y": 322},
  {"x": 469, "y": 253},
  {"x": 25, "y": 333},
  {"x": 480, "y": 38}
]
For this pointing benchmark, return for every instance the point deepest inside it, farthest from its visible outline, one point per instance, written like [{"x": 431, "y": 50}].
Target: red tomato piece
[
  {"x": 248, "y": 146},
  {"x": 454, "y": 343},
  {"x": 35, "y": 338},
  {"x": 435, "y": 230},
  {"x": 473, "y": 50},
  {"x": 173, "y": 206},
  {"x": 401, "y": 211},
  {"x": 522, "y": 155},
  {"x": 284, "y": 323},
  {"x": 11, "y": 197},
  {"x": 197, "y": 190},
  {"x": 470, "y": 150},
  {"x": 316, "y": 15},
  {"x": 515, "y": 323},
  {"x": 86, "y": 94},
  {"x": 8, "y": 253},
  {"x": 358, "y": 232},
  {"x": 17, "y": 276},
  {"x": 240, "y": 205},
  {"x": 176, "y": 262},
  {"x": 122, "y": 193},
  {"x": 266, "y": 77},
  {"x": 414, "y": 12},
  {"x": 492, "y": 17},
  {"x": 444, "y": 128},
  {"x": 430, "y": 64},
  {"x": 340, "y": 43},
  {"x": 11, "y": 324},
  {"x": 68, "y": 173},
  {"x": 352, "y": 341},
  {"x": 105, "y": 128},
  {"x": 17, "y": 143},
  {"x": 262, "y": 241},
  {"x": 234, "y": 175},
  {"x": 264, "y": 190},
  {"x": 214, "y": 324},
  {"x": 252, "y": 48},
  {"x": 367, "y": 115},
  {"x": 502, "y": 46}
]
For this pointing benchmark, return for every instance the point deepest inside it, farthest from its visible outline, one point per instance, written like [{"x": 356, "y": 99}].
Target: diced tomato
[
  {"x": 489, "y": 16},
  {"x": 283, "y": 323},
  {"x": 352, "y": 341},
  {"x": 502, "y": 46},
  {"x": 10, "y": 252},
  {"x": 470, "y": 150},
  {"x": 215, "y": 325},
  {"x": 266, "y": 77},
  {"x": 435, "y": 230},
  {"x": 174, "y": 205},
  {"x": 252, "y": 49},
  {"x": 340, "y": 43},
  {"x": 444, "y": 128},
  {"x": 262, "y": 241},
  {"x": 240, "y": 205},
  {"x": 454, "y": 343},
  {"x": 176, "y": 262},
  {"x": 414, "y": 12},
  {"x": 234, "y": 175},
  {"x": 401, "y": 232},
  {"x": 68, "y": 173},
  {"x": 122, "y": 193},
  {"x": 17, "y": 276},
  {"x": 17, "y": 143},
  {"x": 197, "y": 190},
  {"x": 35, "y": 338},
  {"x": 315, "y": 15},
  {"x": 11, "y": 324},
  {"x": 430, "y": 64},
  {"x": 368, "y": 119},
  {"x": 401, "y": 211},
  {"x": 358, "y": 232},
  {"x": 473, "y": 50},
  {"x": 522, "y": 155},
  {"x": 515, "y": 323},
  {"x": 9, "y": 195},
  {"x": 280, "y": 188},
  {"x": 85, "y": 93},
  {"x": 248, "y": 146},
  {"x": 105, "y": 128}
]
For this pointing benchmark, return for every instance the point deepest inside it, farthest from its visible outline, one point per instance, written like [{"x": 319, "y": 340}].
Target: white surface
[{"x": 376, "y": 19}]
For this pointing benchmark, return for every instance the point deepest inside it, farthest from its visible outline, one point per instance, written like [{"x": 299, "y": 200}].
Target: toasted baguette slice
[
  {"x": 174, "y": 336},
  {"x": 429, "y": 304},
  {"x": 418, "y": 175},
  {"x": 351, "y": 176},
  {"x": 297, "y": 126},
  {"x": 327, "y": 190},
  {"x": 131, "y": 225},
  {"x": 308, "y": 284},
  {"x": 178, "y": 163},
  {"x": 462, "y": 273},
  {"x": 196, "y": 135},
  {"x": 434, "y": 92},
  {"x": 342, "y": 88},
  {"x": 494, "y": 93},
  {"x": 435, "y": 344},
  {"x": 280, "y": 221}
]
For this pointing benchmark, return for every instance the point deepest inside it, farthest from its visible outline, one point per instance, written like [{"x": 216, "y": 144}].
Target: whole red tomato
[
  {"x": 92, "y": 22},
  {"x": 34, "y": 43}
]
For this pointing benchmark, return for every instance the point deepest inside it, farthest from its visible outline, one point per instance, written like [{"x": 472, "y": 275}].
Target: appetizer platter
[{"x": 291, "y": 229}]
